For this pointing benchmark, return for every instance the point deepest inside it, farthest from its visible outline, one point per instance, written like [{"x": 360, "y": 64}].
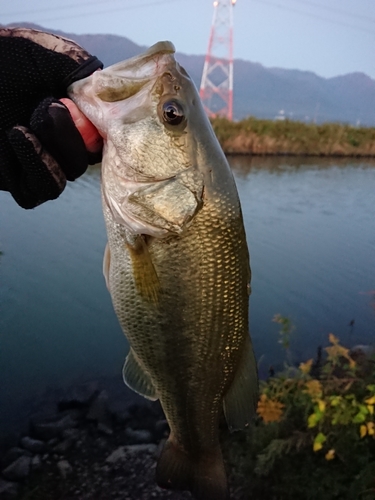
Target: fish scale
[
  {"x": 176, "y": 263},
  {"x": 200, "y": 274}
]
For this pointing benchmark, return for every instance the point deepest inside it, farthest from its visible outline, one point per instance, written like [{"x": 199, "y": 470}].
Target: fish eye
[{"x": 173, "y": 112}]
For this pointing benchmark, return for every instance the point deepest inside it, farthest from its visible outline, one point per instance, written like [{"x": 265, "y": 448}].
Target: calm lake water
[{"x": 311, "y": 231}]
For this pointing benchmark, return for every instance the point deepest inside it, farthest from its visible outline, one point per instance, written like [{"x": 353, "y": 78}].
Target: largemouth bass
[{"x": 176, "y": 263}]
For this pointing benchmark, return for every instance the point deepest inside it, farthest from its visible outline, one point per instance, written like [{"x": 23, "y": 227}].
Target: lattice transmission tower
[{"x": 216, "y": 90}]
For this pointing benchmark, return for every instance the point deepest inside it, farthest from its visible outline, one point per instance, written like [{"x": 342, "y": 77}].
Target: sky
[{"x": 327, "y": 37}]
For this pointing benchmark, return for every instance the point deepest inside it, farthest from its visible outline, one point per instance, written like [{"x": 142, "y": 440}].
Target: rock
[
  {"x": 33, "y": 445},
  {"x": 362, "y": 350},
  {"x": 161, "y": 429},
  {"x": 53, "y": 428},
  {"x": 120, "y": 411},
  {"x": 79, "y": 396},
  {"x": 115, "y": 456},
  {"x": 64, "y": 468},
  {"x": 36, "y": 462},
  {"x": 142, "y": 448},
  {"x": 101, "y": 443},
  {"x": 64, "y": 446},
  {"x": 138, "y": 436},
  {"x": 71, "y": 434},
  {"x": 12, "y": 455},
  {"x": 18, "y": 470},
  {"x": 121, "y": 452},
  {"x": 53, "y": 442},
  {"x": 98, "y": 410},
  {"x": 8, "y": 489},
  {"x": 77, "y": 414},
  {"x": 105, "y": 429}
]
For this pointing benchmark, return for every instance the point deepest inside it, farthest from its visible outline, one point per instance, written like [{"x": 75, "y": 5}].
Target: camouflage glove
[{"x": 40, "y": 147}]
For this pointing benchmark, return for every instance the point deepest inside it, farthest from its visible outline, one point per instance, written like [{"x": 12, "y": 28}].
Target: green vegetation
[
  {"x": 314, "y": 437},
  {"x": 267, "y": 137}
]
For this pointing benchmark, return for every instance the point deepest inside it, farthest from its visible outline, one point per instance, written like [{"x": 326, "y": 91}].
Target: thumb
[{"x": 90, "y": 135}]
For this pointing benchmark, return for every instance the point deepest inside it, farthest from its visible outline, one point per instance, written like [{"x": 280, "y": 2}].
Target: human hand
[{"x": 40, "y": 145}]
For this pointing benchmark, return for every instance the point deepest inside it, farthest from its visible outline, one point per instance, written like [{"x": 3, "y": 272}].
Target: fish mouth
[
  {"x": 126, "y": 78},
  {"x": 158, "y": 49}
]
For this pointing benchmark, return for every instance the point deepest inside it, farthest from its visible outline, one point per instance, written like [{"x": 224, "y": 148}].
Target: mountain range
[{"x": 272, "y": 93}]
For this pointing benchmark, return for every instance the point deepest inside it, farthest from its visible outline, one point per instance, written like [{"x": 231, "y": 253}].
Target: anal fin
[
  {"x": 136, "y": 378},
  {"x": 241, "y": 399},
  {"x": 106, "y": 264}
]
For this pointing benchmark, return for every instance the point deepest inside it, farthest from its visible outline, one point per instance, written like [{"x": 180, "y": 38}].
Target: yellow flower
[
  {"x": 317, "y": 446},
  {"x": 333, "y": 339},
  {"x": 269, "y": 409},
  {"x": 337, "y": 351},
  {"x": 314, "y": 389},
  {"x": 363, "y": 431},
  {"x": 306, "y": 367},
  {"x": 321, "y": 405},
  {"x": 370, "y": 401},
  {"x": 370, "y": 409},
  {"x": 370, "y": 428},
  {"x": 330, "y": 455}
]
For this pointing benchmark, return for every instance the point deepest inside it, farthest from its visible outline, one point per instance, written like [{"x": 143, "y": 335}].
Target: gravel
[{"x": 91, "y": 448}]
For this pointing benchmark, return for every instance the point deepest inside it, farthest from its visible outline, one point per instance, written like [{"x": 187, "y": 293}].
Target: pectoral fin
[
  {"x": 144, "y": 272},
  {"x": 241, "y": 399},
  {"x": 136, "y": 378}
]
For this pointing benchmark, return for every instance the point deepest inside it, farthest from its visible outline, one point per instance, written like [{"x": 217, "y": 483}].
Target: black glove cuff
[{"x": 85, "y": 69}]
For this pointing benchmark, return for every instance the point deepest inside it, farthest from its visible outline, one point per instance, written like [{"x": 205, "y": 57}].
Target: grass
[{"x": 267, "y": 137}]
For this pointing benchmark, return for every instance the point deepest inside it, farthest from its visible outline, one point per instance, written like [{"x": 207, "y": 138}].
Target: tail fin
[{"x": 203, "y": 476}]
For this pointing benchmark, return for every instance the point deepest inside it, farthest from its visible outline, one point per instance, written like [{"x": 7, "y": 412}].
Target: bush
[{"x": 314, "y": 436}]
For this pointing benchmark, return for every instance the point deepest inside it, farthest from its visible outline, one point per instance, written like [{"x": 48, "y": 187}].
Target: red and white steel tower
[{"x": 216, "y": 89}]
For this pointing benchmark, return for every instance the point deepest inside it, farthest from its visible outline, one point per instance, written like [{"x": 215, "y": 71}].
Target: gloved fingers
[
  {"x": 35, "y": 65},
  {"x": 31, "y": 72},
  {"x": 49, "y": 41},
  {"x": 53, "y": 125},
  {"x": 38, "y": 177}
]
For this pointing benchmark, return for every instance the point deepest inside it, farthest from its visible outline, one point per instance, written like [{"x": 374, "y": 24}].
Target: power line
[
  {"x": 89, "y": 14},
  {"x": 132, "y": 7},
  {"x": 335, "y": 9},
  {"x": 316, "y": 16},
  {"x": 62, "y": 7},
  {"x": 162, "y": 2}
]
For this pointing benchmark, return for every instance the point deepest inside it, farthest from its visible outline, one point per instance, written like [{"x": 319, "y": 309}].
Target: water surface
[{"x": 311, "y": 232}]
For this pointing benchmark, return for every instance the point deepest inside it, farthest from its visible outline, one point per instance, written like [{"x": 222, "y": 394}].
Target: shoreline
[
  {"x": 266, "y": 137},
  {"x": 302, "y": 155},
  {"x": 93, "y": 446}
]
